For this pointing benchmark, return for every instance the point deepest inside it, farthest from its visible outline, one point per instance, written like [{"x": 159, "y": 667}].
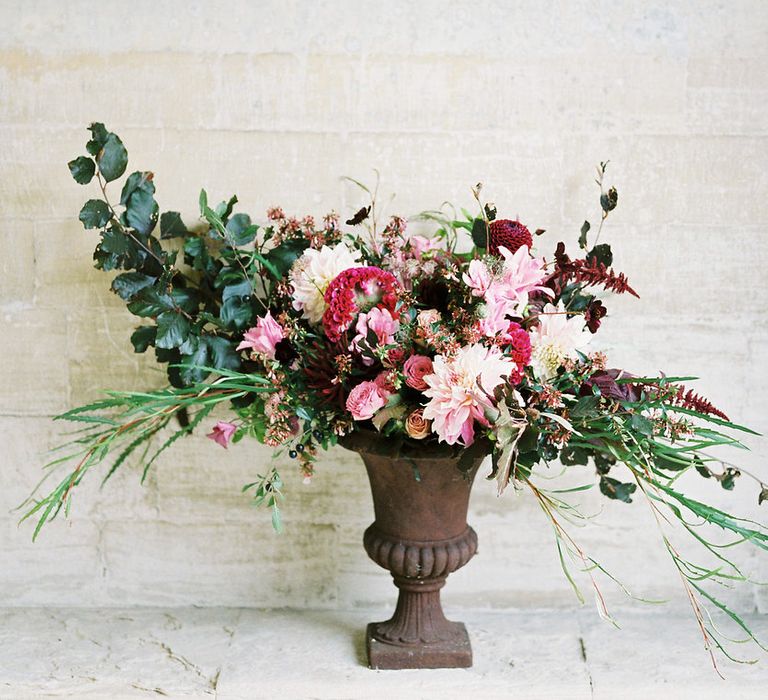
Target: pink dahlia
[
  {"x": 357, "y": 290},
  {"x": 461, "y": 389}
]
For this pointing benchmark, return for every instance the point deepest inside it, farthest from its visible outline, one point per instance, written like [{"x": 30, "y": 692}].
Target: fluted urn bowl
[{"x": 420, "y": 534}]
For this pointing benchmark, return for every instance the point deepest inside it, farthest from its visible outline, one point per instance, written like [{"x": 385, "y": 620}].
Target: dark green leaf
[
  {"x": 139, "y": 201},
  {"x": 728, "y": 479},
  {"x": 186, "y": 299},
  {"x": 609, "y": 200},
  {"x": 129, "y": 283},
  {"x": 82, "y": 169},
  {"x": 585, "y": 406},
  {"x": 98, "y": 136},
  {"x": 210, "y": 351},
  {"x": 115, "y": 250},
  {"x": 616, "y": 489},
  {"x": 172, "y": 329},
  {"x": 763, "y": 495},
  {"x": 236, "y": 308},
  {"x": 221, "y": 353},
  {"x": 480, "y": 233},
  {"x": 143, "y": 337},
  {"x": 150, "y": 302},
  {"x": 570, "y": 456},
  {"x": 603, "y": 462},
  {"x": 224, "y": 209},
  {"x": 602, "y": 253},
  {"x": 283, "y": 256},
  {"x": 171, "y": 225},
  {"x": 112, "y": 159},
  {"x": 641, "y": 425},
  {"x": 583, "y": 237},
  {"x": 240, "y": 230},
  {"x": 95, "y": 213}
]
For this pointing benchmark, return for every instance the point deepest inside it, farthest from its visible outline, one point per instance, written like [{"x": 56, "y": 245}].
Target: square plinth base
[{"x": 452, "y": 654}]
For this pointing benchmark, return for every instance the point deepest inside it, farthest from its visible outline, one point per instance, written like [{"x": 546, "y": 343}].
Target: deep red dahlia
[
  {"x": 509, "y": 234},
  {"x": 354, "y": 291}
]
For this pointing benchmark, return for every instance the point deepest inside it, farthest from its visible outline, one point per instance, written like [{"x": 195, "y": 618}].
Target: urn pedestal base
[{"x": 455, "y": 652}]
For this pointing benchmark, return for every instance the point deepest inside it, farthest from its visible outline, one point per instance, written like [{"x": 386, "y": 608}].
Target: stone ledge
[{"x": 230, "y": 653}]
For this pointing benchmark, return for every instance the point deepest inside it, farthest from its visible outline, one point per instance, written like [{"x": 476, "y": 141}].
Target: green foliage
[
  {"x": 112, "y": 158},
  {"x": 82, "y": 169},
  {"x": 171, "y": 225},
  {"x": 95, "y": 213},
  {"x": 583, "y": 235},
  {"x": 480, "y": 233}
]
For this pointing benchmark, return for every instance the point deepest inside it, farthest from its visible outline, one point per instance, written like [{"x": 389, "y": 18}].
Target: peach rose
[
  {"x": 415, "y": 369},
  {"x": 364, "y": 400},
  {"x": 416, "y": 425}
]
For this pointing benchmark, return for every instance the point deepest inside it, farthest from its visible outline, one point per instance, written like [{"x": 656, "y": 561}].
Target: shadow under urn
[{"x": 420, "y": 534}]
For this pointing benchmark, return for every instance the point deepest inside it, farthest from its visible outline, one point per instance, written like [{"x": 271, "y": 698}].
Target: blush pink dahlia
[
  {"x": 460, "y": 391},
  {"x": 365, "y": 400},
  {"x": 357, "y": 290},
  {"x": 263, "y": 337}
]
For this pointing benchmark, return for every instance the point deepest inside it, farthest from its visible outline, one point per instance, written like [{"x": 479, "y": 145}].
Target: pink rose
[
  {"x": 222, "y": 433},
  {"x": 364, "y": 400},
  {"x": 415, "y": 369},
  {"x": 263, "y": 337}
]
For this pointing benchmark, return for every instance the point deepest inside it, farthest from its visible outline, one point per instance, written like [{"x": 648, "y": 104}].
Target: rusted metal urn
[{"x": 420, "y": 535}]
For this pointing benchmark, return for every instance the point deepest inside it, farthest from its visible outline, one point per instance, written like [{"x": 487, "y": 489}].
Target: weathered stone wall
[{"x": 275, "y": 101}]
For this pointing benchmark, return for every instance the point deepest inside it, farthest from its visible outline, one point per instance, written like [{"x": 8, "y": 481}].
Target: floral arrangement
[{"x": 309, "y": 330}]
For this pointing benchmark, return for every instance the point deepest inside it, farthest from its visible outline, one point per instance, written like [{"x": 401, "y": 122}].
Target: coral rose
[{"x": 415, "y": 369}]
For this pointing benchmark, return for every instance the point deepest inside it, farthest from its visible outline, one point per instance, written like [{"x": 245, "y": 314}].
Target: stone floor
[{"x": 246, "y": 653}]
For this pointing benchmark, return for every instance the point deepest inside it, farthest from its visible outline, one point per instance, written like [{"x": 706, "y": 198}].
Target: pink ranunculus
[
  {"x": 222, "y": 433},
  {"x": 263, "y": 337},
  {"x": 415, "y": 368},
  {"x": 364, "y": 400}
]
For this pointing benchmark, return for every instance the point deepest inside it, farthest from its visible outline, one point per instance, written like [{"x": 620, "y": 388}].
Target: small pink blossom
[
  {"x": 364, "y": 400},
  {"x": 422, "y": 244},
  {"x": 263, "y": 337},
  {"x": 222, "y": 433},
  {"x": 415, "y": 369}
]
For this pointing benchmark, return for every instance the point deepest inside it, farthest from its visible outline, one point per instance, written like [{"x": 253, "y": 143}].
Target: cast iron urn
[{"x": 420, "y": 534}]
